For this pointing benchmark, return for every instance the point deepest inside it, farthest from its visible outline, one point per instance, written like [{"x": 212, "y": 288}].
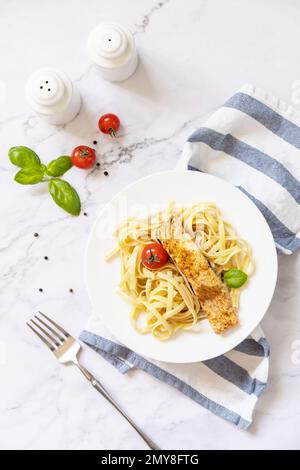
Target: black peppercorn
[
  {"x": 36, "y": 234},
  {"x": 46, "y": 257},
  {"x": 40, "y": 289},
  {"x": 106, "y": 173},
  {"x": 95, "y": 142}
]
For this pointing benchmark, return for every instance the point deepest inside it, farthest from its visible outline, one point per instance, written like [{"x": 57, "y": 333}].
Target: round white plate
[{"x": 146, "y": 197}]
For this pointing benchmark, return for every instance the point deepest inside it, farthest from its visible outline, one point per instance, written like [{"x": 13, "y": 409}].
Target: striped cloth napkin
[
  {"x": 228, "y": 386},
  {"x": 253, "y": 141}
]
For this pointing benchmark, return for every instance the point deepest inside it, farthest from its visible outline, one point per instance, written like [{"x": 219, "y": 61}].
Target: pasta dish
[{"x": 180, "y": 266}]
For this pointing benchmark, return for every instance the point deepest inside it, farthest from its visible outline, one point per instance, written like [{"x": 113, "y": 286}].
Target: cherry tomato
[
  {"x": 154, "y": 256},
  {"x": 109, "y": 124},
  {"x": 83, "y": 157}
]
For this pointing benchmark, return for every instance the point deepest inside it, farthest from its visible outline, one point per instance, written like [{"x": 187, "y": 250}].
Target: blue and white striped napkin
[
  {"x": 253, "y": 141},
  {"x": 228, "y": 386}
]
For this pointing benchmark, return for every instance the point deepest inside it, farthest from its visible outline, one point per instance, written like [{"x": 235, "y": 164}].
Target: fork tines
[{"x": 51, "y": 334}]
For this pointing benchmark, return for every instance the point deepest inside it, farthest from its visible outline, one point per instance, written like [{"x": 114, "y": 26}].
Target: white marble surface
[{"x": 194, "y": 54}]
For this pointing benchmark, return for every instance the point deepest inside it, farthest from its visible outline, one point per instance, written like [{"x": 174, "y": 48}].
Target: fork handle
[{"x": 99, "y": 387}]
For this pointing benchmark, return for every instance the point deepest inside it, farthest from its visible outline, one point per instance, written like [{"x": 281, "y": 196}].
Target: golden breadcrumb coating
[{"x": 213, "y": 294}]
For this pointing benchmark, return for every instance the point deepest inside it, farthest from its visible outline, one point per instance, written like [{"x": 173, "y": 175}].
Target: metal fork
[{"x": 65, "y": 348}]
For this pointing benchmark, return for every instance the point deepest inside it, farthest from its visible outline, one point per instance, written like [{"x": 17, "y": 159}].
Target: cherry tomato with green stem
[
  {"x": 109, "y": 124},
  {"x": 83, "y": 157},
  {"x": 154, "y": 256}
]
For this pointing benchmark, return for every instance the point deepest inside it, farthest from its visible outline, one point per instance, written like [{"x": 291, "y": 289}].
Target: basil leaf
[
  {"x": 235, "y": 278},
  {"x": 43, "y": 168},
  {"x": 23, "y": 156},
  {"x": 64, "y": 196},
  {"x": 30, "y": 175},
  {"x": 59, "y": 166}
]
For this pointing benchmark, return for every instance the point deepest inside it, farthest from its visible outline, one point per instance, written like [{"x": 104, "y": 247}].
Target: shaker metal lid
[
  {"x": 48, "y": 91},
  {"x": 110, "y": 45}
]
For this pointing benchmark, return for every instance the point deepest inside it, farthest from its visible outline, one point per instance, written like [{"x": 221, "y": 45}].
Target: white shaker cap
[
  {"x": 112, "y": 47},
  {"x": 51, "y": 94}
]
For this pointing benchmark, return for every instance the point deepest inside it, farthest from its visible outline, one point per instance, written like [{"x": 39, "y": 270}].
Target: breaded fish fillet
[{"x": 213, "y": 295}]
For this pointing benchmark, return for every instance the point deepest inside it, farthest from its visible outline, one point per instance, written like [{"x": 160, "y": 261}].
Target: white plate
[{"x": 145, "y": 197}]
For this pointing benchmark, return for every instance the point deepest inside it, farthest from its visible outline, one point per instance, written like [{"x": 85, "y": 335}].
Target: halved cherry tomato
[
  {"x": 109, "y": 124},
  {"x": 83, "y": 157},
  {"x": 154, "y": 256}
]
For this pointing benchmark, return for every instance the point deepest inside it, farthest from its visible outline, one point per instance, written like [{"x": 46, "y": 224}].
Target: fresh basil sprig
[
  {"x": 59, "y": 166},
  {"x": 64, "y": 195},
  {"x": 23, "y": 157},
  {"x": 33, "y": 172},
  {"x": 30, "y": 175},
  {"x": 235, "y": 278}
]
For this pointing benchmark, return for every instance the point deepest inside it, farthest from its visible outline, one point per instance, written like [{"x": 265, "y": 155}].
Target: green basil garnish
[
  {"x": 64, "y": 196},
  {"x": 33, "y": 172},
  {"x": 23, "y": 157},
  {"x": 30, "y": 175},
  {"x": 235, "y": 278},
  {"x": 59, "y": 166}
]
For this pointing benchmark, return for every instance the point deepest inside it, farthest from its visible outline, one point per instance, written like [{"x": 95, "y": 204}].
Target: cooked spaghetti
[{"x": 163, "y": 300}]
